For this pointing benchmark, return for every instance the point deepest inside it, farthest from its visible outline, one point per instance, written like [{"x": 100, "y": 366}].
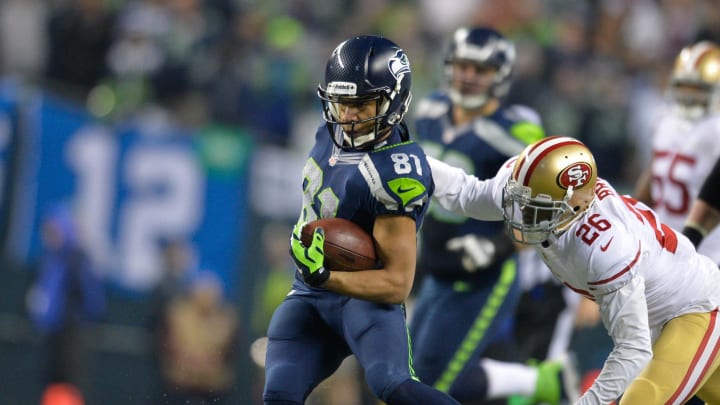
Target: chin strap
[
  {"x": 579, "y": 214},
  {"x": 569, "y": 194},
  {"x": 468, "y": 102},
  {"x": 404, "y": 131}
]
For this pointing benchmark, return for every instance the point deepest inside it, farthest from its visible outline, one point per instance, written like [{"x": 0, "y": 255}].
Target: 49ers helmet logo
[{"x": 576, "y": 175}]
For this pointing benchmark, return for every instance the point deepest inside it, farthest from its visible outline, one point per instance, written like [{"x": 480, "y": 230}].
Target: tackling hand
[
  {"x": 310, "y": 260},
  {"x": 477, "y": 252}
]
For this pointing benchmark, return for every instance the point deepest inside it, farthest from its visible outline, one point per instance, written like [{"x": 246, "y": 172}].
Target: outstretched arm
[{"x": 465, "y": 194}]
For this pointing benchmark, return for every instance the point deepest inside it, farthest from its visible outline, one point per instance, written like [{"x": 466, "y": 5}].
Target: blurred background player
[
  {"x": 364, "y": 168},
  {"x": 470, "y": 286},
  {"x": 685, "y": 143},
  {"x": 65, "y": 302}
]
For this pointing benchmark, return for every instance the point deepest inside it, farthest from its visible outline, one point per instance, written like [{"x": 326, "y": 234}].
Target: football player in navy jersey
[
  {"x": 363, "y": 167},
  {"x": 470, "y": 287}
]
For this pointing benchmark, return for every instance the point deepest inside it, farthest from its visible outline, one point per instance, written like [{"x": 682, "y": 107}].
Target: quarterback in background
[
  {"x": 686, "y": 142},
  {"x": 658, "y": 297},
  {"x": 362, "y": 168},
  {"x": 470, "y": 285}
]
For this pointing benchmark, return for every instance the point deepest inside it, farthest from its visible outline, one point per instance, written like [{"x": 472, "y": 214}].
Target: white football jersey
[
  {"x": 684, "y": 152},
  {"x": 642, "y": 273}
]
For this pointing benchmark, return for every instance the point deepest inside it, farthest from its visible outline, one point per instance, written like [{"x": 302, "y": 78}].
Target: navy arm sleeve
[{"x": 710, "y": 192}]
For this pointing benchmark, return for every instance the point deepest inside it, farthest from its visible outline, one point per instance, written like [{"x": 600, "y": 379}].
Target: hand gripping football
[{"x": 347, "y": 246}]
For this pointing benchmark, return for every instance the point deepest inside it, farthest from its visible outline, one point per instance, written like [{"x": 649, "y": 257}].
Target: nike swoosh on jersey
[
  {"x": 607, "y": 245},
  {"x": 405, "y": 190}
]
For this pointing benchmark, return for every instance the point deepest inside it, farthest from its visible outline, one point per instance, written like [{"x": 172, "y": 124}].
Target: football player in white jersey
[
  {"x": 686, "y": 141},
  {"x": 658, "y": 297}
]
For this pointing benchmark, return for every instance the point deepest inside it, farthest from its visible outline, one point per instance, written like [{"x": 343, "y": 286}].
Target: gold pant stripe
[{"x": 701, "y": 363}]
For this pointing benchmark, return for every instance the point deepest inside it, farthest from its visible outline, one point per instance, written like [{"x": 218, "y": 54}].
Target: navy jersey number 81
[{"x": 359, "y": 186}]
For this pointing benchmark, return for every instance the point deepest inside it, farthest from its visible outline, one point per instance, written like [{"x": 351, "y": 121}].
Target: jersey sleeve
[
  {"x": 608, "y": 275},
  {"x": 399, "y": 181},
  {"x": 524, "y": 113},
  {"x": 465, "y": 194},
  {"x": 527, "y": 126},
  {"x": 624, "y": 314},
  {"x": 615, "y": 256}
]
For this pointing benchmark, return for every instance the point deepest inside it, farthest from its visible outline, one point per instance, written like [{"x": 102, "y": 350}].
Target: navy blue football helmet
[
  {"x": 484, "y": 47},
  {"x": 362, "y": 70}
]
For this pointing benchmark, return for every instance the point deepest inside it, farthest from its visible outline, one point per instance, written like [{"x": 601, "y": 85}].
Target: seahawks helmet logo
[{"x": 399, "y": 64}]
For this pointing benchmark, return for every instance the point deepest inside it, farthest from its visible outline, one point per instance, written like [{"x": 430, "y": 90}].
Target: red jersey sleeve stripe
[
  {"x": 621, "y": 272},
  {"x": 584, "y": 293}
]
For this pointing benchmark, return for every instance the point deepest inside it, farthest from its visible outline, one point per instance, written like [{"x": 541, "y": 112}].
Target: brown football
[{"x": 347, "y": 246}]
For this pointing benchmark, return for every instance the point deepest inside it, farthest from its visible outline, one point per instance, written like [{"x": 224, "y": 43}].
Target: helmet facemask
[
  {"x": 552, "y": 185},
  {"x": 470, "y": 100},
  {"x": 695, "y": 80},
  {"x": 363, "y": 132},
  {"x": 486, "y": 49},
  {"x": 530, "y": 220},
  {"x": 693, "y": 100}
]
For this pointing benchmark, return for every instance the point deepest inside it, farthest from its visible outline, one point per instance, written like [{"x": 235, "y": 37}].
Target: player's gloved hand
[
  {"x": 477, "y": 252},
  {"x": 309, "y": 260},
  {"x": 480, "y": 252}
]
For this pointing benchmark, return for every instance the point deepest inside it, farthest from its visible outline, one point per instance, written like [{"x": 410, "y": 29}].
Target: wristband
[{"x": 694, "y": 233}]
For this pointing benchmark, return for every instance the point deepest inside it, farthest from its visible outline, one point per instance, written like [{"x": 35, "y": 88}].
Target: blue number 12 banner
[{"x": 133, "y": 186}]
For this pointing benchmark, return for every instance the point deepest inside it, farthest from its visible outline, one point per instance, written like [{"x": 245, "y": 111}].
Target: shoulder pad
[{"x": 518, "y": 112}]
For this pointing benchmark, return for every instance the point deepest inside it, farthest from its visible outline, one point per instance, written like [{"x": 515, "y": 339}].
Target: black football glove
[{"x": 310, "y": 260}]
